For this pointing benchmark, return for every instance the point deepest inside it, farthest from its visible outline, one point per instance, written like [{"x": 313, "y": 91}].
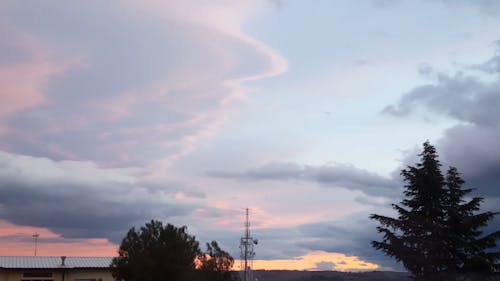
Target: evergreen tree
[
  {"x": 465, "y": 244},
  {"x": 436, "y": 232}
]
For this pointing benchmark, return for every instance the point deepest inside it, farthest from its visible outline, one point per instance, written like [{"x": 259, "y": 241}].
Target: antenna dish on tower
[{"x": 247, "y": 252}]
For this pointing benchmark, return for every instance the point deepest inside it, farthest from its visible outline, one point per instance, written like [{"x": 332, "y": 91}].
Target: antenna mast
[
  {"x": 35, "y": 237},
  {"x": 247, "y": 253}
]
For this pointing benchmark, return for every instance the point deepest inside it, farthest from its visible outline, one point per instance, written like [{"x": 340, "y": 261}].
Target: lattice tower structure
[{"x": 247, "y": 243}]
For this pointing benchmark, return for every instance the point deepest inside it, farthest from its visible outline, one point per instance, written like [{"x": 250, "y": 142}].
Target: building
[{"x": 17, "y": 268}]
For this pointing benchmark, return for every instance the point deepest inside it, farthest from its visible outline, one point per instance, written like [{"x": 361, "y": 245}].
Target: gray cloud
[
  {"x": 351, "y": 235},
  {"x": 460, "y": 96},
  {"x": 344, "y": 176},
  {"x": 472, "y": 145},
  {"x": 80, "y": 200},
  {"x": 325, "y": 265},
  {"x": 475, "y": 151}
]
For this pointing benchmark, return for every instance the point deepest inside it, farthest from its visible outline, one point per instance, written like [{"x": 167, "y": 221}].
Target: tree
[
  {"x": 156, "y": 252},
  {"x": 464, "y": 225},
  {"x": 216, "y": 264},
  {"x": 436, "y": 232}
]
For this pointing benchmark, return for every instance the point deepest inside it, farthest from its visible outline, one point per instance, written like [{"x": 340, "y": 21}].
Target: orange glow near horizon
[
  {"x": 17, "y": 241},
  {"x": 314, "y": 261}
]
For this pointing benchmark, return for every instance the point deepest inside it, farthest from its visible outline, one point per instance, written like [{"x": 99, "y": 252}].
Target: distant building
[{"x": 33, "y": 268}]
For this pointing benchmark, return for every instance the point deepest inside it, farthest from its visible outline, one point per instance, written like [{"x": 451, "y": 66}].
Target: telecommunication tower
[{"x": 247, "y": 252}]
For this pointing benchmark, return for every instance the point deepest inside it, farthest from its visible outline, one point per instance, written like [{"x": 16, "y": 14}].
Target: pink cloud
[{"x": 22, "y": 82}]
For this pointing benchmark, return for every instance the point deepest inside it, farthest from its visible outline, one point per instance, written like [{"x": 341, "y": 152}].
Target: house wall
[{"x": 57, "y": 275}]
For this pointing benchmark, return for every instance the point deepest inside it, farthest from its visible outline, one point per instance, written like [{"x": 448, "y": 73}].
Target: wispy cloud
[{"x": 159, "y": 85}]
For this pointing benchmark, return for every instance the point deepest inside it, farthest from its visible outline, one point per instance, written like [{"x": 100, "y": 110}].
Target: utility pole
[{"x": 247, "y": 252}]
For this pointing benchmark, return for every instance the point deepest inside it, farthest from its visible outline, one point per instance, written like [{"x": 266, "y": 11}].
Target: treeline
[{"x": 156, "y": 252}]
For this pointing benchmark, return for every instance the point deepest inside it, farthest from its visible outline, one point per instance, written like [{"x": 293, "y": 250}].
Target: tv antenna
[
  {"x": 35, "y": 238},
  {"x": 247, "y": 253}
]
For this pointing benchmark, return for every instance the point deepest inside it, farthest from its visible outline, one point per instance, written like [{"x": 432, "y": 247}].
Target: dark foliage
[
  {"x": 156, "y": 252},
  {"x": 168, "y": 253},
  {"x": 437, "y": 233},
  {"x": 216, "y": 264}
]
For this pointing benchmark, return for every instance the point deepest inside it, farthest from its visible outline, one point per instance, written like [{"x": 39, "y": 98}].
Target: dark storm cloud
[
  {"x": 79, "y": 200},
  {"x": 475, "y": 151},
  {"x": 345, "y": 176}
]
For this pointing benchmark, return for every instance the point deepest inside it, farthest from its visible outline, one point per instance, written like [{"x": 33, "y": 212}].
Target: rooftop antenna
[
  {"x": 247, "y": 252},
  {"x": 35, "y": 237}
]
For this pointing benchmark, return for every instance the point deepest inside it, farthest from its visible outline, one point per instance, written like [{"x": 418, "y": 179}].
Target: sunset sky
[{"x": 113, "y": 113}]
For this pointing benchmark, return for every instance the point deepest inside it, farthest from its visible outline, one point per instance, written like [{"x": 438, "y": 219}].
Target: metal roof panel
[{"x": 39, "y": 262}]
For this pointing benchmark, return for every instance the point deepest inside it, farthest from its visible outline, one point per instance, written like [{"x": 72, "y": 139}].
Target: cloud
[
  {"x": 340, "y": 175},
  {"x": 325, "y": 265},
  {"x": 461, "y": 97},
  {"x": 350, "y": 235},
  {"x": 317, "y": 260},
  {"x": 346, "y": 239},
  {"x": 26, "y": 65},
  {"x": 151, "y": 81},
  {"x": 471, "y": 98},
  {"x": 475, "y": 151},
  {"x": 80, "y": 200}
]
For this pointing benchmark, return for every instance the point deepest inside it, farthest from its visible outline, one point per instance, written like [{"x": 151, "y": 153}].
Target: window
[{"x": 37, "y": 274}]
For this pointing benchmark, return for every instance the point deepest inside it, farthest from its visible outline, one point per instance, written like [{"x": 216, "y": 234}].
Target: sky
[{"x": 114, "y": 113}]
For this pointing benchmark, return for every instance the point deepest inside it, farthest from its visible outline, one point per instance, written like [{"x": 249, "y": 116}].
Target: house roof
[{"x": 54, "y": 262}]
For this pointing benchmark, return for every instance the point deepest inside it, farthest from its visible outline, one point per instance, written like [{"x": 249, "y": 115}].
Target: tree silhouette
[
  {"x": 437, "y": 232},
  {"x": 216, "y": 264},
  {"x": 156, "y": 252},
  {"x": 467, "y": 250}
]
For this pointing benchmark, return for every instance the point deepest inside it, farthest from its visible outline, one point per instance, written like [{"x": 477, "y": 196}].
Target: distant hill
[{"x": 291, "y": 275}]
